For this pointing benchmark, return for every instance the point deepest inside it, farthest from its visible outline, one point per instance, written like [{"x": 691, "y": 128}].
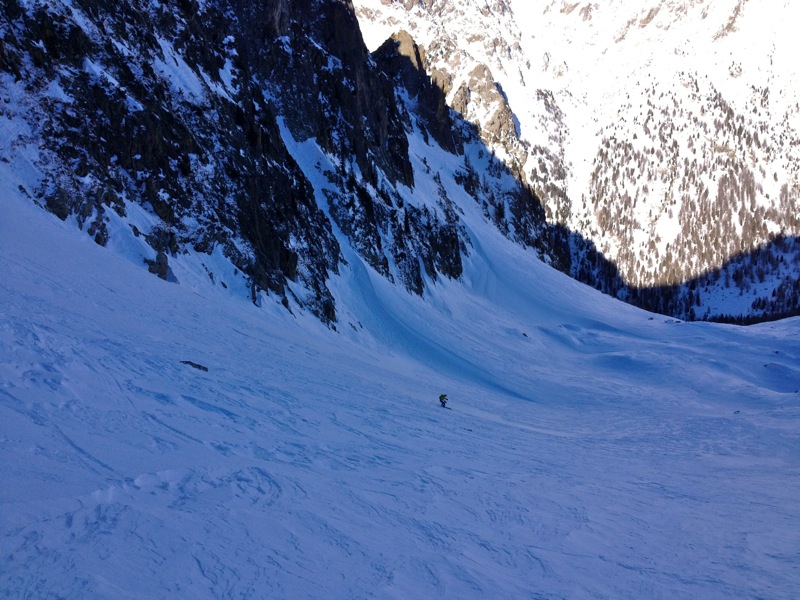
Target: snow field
[{"x": 592, "y": 450}]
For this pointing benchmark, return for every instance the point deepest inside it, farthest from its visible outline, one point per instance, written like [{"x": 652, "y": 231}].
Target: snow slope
[{"x": 592, "y": 450}]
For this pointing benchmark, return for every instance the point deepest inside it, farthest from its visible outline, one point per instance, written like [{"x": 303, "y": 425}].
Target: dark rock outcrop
[
  {"x": 182, "y": 107},
  {"x": 164, "y": 105},
  {"x": 404, "y": 61},
  {"x": 312, "y": 57}
]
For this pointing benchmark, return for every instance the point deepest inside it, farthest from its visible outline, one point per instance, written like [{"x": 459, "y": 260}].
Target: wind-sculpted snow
[{"x": 592, "y": 450}]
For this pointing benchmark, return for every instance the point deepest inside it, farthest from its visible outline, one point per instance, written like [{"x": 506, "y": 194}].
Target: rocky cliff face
[
  {"x": 404, "y": 61},
  {"x": 198, "y": 113},
  {"x": 163, "y": 105},
  {"x": 313, "y": 62}
]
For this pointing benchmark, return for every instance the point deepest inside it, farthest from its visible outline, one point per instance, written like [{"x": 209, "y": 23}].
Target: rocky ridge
[{"x": 192, "y": 114}]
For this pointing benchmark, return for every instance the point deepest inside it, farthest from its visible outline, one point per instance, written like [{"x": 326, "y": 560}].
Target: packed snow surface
[{"x": 592, "y": 450}]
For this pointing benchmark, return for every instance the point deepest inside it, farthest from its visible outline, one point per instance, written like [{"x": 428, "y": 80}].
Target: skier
[{"x": 443, "y": 400}]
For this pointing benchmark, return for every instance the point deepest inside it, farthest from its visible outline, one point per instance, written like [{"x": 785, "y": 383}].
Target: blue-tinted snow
[{"x": 592, "y": 450}]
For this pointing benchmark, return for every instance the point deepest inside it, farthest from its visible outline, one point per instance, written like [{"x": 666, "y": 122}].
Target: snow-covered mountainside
[
  {"x": 336, "y": 244},
  {"x": 262, "y": 138},
  {"x": 164, "y": 441},
  {"x": 667, "y": 135}
]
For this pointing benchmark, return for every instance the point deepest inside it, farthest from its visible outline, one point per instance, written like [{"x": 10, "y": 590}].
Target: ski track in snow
[{"x": 593, "y": 450}]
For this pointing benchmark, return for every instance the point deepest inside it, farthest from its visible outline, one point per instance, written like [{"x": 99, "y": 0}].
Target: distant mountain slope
[{"x": 667, "y": 135}]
